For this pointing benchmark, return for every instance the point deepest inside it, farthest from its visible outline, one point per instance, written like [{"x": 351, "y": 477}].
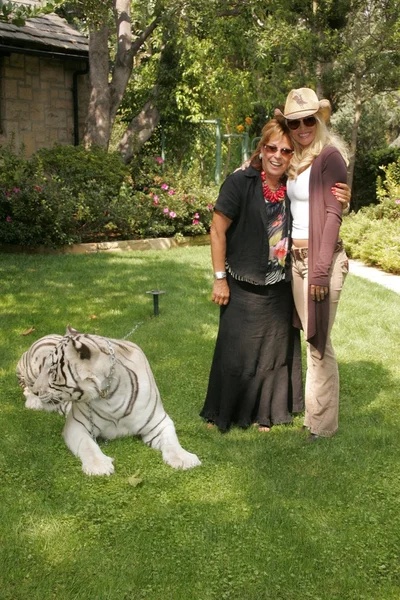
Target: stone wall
[
  {"x": 36, "y": 101},
  {"x": 119, "y": 246}
]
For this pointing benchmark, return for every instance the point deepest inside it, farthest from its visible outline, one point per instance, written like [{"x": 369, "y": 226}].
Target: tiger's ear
[{"x": 71, "y": 331}]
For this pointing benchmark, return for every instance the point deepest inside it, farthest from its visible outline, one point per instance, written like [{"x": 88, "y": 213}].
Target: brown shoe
[{"x": 313, "y": 437}]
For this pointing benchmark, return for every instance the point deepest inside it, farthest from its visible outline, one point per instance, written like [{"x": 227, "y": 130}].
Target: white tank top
[{"x": 298, "y": 192}]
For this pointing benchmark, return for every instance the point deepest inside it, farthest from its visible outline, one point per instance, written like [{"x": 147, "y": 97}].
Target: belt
[
  {"x": 299, "y": 253},
  {"x": 302, "y": 253}
]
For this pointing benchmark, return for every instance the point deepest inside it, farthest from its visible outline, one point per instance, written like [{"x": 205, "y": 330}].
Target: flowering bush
[
  {"x": 162, "y": 203},
  {"x": 67, "y": 195},
  {"x": 33, "y": 209}
]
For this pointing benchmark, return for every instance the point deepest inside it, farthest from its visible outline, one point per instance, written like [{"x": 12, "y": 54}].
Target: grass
[{"x": 265, "y": 517}]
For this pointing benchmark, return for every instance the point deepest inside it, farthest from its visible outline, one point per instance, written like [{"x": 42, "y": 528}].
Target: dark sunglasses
[
  {"x": 295, "y": 123},
  {"x": 283, "y": 151}
]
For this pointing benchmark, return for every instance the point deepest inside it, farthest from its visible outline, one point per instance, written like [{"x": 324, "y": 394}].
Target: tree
[
  {"x": 190, "y": 60},
  {"x": 368, "y": 65}
]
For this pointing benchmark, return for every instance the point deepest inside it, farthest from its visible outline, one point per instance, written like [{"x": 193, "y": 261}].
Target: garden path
[{"x": 376, "y": 275}]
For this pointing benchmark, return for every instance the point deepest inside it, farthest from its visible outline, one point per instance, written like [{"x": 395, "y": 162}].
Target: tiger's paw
[
  {"x": 32, "y": 401},
  {"x": 180, "y": 459},
  {"x": 99, "y": 465}
]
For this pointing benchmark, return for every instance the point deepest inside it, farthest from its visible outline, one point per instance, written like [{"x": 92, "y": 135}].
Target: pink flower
[
  {"x": 397, "y": 201},
  {"x": 159, "y": 160},
  {"x": 172, "y": 214},
  {"x": 280, "y": 250},
  {"x": 145, "y": 189},
  {"x": 195, "y": 222},
  {"x": 151, "y": 194},
  {"x": 164, "y": 186},
  {"x": 171, "y": 192},
  {"x": 196, "y": 216},
  {"x": 16, "y": 190},
  {"x": 8, "y": 194},
  {"x": 166, "y": 210},
  {"x": 155, "y": 197},
  {"x": 37, "y": 188},
  {"x": 155, "y": 202},
  {"x": 280, "y": 253},
  {"x": 210, "y": 206},
  {"x": 8, "y": 219}
]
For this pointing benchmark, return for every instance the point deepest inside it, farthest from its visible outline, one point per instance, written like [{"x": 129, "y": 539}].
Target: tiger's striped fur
[
  {"x": 111, "y": 390},
  {"x": 29, "y": 368}
]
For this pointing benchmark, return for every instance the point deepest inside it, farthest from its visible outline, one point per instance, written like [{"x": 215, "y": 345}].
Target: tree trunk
[
  {"x": 106, "y": 95},
  {"x": 98, "y": 123},
  {"x": 124, "y": 58},
  {"x": 354, "y": 133},
  {"x": 139, "y": 131},
  {"x": 319, "y": 66}
]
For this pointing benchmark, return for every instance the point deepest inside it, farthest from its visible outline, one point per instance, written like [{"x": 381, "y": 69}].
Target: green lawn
[{"x": 265, "y": 517}]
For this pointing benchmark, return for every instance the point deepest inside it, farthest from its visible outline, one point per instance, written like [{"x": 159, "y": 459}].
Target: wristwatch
[{"x": 220, "y": 275}]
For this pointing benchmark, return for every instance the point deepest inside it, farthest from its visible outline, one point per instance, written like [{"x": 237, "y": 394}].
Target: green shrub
[
  {"x": 94, "y": 178},
  {"x": 375, "y": 242},
  {"x": 82, "y": 168},
  {"x": 373, "y": 234},
  {"x": 367, "y": 170}
]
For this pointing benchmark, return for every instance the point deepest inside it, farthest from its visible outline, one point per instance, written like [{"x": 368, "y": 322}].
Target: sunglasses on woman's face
[
  {"x": 273, "y": 149},
  {"x": 295, "y": 123}
]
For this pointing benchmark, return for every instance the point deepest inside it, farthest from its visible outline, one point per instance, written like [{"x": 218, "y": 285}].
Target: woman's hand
[
  {"x": 245, "y": 165},
  {"x": 319, "y": 292},
  {"x": 220, "y": 293},
  {"x": 342, "y": 192}
]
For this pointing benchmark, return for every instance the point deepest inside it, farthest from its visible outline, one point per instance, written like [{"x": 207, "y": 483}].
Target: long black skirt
[{"x": 256, "y": 370}]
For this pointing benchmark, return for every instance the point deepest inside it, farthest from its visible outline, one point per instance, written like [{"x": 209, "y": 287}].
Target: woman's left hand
[
  {"x": 319, "y": 292},
  {"x": 342, "y": 192}
]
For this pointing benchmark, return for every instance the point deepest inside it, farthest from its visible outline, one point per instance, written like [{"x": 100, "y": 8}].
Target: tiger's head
[{"x": 77, "y": 370}]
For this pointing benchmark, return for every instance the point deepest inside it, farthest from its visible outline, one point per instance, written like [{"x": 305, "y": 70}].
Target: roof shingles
[{"x": 47, "y": 32}]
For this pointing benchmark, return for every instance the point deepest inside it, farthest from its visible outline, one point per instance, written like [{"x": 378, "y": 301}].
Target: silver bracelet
[{"x": 220, "y": 275}]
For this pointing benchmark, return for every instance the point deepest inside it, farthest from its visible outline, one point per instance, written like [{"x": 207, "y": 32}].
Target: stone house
[{"x": 44, "y": 85}]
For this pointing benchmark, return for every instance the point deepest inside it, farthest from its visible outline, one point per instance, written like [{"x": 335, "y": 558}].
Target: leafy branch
[{"x": 17, "y": 14}]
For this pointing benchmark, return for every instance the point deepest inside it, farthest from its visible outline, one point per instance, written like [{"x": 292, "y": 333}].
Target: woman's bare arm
[{"x": 219, "y": 226}]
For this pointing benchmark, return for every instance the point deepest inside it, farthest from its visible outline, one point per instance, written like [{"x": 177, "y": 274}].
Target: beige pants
[{"x": 322, "y": 379}]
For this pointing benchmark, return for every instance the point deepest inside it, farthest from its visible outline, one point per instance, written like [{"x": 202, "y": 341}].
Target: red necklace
[{"x": 270, "y": 195}]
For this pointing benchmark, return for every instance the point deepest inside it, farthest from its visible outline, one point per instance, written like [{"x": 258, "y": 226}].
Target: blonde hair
[
  {"x": 271, "y": 129},
  {"x": 303, "y": 157}
]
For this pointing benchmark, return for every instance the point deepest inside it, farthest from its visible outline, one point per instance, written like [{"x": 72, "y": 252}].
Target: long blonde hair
[{"x": 303, "y": 157}]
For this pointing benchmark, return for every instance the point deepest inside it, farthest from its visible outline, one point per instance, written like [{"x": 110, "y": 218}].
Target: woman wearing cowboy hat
[{"x": 319, "y": 262}]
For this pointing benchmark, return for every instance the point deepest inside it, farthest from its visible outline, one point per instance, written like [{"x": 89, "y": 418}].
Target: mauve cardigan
[{"x": 325, "y": 219}]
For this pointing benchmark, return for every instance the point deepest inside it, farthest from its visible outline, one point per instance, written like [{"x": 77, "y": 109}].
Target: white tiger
[{"x": 110, "y": 389}]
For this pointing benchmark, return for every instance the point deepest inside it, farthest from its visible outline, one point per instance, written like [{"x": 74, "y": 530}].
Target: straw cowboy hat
[{"x": 304, "y": 103}]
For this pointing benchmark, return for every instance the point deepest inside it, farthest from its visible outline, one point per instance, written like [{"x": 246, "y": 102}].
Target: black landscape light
[{"x": 155, "y": 294}]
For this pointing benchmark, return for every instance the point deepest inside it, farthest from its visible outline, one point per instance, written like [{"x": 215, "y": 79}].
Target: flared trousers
[{"x": 322, "y": 378}]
